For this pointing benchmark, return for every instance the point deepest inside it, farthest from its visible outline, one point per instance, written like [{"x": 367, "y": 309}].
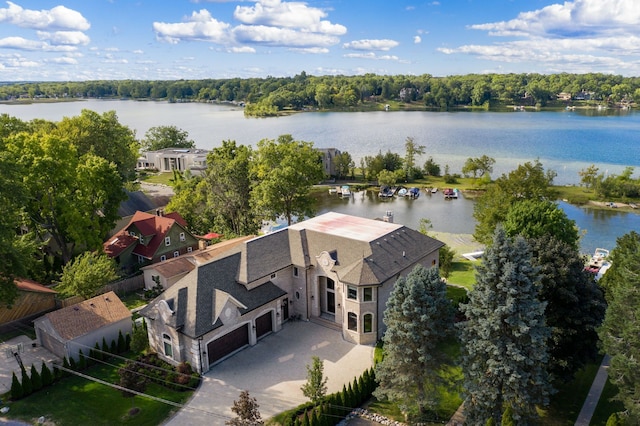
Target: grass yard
[
  {"x": 463, "y": 273},
  {"x": 161, "y": 178},
  {"x": 75, "y": 400}
]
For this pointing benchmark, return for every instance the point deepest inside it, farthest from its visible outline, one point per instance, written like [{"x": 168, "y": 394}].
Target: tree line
[{"x": 272, "y": 95}]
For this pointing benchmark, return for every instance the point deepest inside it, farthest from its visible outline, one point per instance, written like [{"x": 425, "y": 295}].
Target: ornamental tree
[
  {"x": 316, "y": 386},
  {"x": 86, "y": 274},
  {"x": 419, "y": 317},
  {"x": 505, "y": 337},
  {"x": 246, "y": 410}
]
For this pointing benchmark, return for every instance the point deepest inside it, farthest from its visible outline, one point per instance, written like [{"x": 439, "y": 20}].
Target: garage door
[
  {"x": 263, "y": 325},
  {"x": 228, "y": 343}
]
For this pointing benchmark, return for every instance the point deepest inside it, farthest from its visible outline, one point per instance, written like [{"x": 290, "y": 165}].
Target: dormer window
[{"x": 167, "y": 241}]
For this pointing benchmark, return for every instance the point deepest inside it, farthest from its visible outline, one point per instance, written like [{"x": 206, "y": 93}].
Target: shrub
[
  {"x": 45, "y": 375},
  {"x": 36, "y": 380},
  {"x": 105, "y": 349},
  {"x": 82, "y": 362},
  {"x": 114, "y": 347},
  {"x": 16, "y": 388},
  {"x": 27, "y": 388},
  {"x": 122, "y": 346}
]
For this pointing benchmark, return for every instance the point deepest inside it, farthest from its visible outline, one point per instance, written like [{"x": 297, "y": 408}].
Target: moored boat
[{"x": 599, "y": 263}]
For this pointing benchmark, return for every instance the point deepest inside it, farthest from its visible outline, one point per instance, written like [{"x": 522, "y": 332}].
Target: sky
[{"x": 78, "y": 40}]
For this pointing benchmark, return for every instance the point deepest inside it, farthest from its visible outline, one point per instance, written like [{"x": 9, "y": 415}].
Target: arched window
[
  {"x": 168, "y": 347},
  {"x": 352, "y": 321},
  {"x": 367, "y": 323}
]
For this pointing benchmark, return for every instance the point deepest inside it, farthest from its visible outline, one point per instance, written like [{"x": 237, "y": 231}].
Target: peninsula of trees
[{"x": 273, "y": 95}]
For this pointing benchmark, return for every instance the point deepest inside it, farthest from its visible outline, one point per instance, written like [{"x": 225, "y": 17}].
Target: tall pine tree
[
  {"x": 504, "y": 338},
  {"x": 418, "y": 318},
  {"x": 619, "y": 331}
]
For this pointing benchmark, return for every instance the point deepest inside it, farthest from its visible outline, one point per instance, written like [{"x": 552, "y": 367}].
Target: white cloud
[
  {"x": 58, "y": 17},
  {"x": 65, "y": 60},
  {"x": 17, "y": 61},
  {"x": 288, "y": 15},
  {"x": 21, "y": 43},
  {"x": 575, "y": 36},
  {"x": 241, "y": 49},
  {"x": 200, "y": 26},
  {"x": 274, "y": 36},
  {"x": 384, "y": 44},
  {"x": 417, "y": 39},
  {"x": 266, "y": 22},
  {"x": 371, "y": 55},
  {"x": 312, "y": 50},
  {"x": 138, "y": 52},
  {"x": 64, "y": 37}
]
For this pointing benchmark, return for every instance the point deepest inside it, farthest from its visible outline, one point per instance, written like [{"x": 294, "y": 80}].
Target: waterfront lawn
[
  {"x": 75, "y": 400},
  {"x": 160, "y": 178}
]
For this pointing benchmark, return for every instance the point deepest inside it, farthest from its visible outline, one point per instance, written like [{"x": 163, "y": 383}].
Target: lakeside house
[{"x": 335, "y": 269}]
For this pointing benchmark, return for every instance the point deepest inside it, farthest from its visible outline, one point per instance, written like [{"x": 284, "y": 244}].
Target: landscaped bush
[{"x": 180, "y": 378}]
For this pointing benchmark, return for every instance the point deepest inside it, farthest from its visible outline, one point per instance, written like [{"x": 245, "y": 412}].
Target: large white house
[{"x": 334, "y": 268}]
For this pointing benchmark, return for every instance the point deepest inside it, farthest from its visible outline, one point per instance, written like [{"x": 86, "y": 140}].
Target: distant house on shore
[{"x": 170, "y": 159}]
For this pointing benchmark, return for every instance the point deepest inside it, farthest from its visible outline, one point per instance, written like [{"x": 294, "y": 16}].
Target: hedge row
[{"x": 335, "y": 406}]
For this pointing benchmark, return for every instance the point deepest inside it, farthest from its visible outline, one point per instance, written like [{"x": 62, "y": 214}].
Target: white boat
[
  {"x": 599, "y": 263},
  {"x": 345, "y": 191},
  {"x": 434, "y": 190},
  {"x": 403, "y": 192}
]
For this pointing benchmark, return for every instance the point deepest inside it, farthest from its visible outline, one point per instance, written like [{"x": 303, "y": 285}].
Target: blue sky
[{"x": 193, "y": 39}]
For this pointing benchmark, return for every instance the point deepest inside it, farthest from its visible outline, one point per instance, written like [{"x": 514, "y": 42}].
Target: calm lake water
[{"x": 564, "y": 141}]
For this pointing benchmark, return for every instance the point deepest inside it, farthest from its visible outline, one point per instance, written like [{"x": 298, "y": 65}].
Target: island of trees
[{"x": 275, "y": 95}]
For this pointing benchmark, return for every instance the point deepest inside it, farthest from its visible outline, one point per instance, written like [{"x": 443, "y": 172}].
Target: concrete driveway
[
  {"x": 273, "y": 371},
  {"x": 30, "y": 355}
]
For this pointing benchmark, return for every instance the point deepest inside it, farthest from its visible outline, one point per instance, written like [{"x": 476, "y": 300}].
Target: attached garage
[
  {"x": 264, "y": 325},
  {"x": 229, "y": 343}
]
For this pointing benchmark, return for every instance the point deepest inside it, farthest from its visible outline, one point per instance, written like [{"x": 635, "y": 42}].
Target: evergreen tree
[
  {"x": 72, "y": 364},
  {"x": 45, "y": 374},
  {"x": 114, "y": 347},
  {"x": 504, "y": 337},
  {"x": 127, "y": 342},
  {"x": 36, "y": 380},
  {"x": 97, "y": 352},
  {"x": 105, "y": 349},
  {"x": 619, "y": 331},
  {"x": 122, "y": 346},
  {"x": 575, "y": 305},
  {"x": 507, "y": 417},
  {"x": 316, "y": 386},
  {"x": 419, "y": 317},
  {"x": 27, "y": 387},
  {"x": 82, "y": 361},
  {"x": 16, "y": 388},
  {"x": 139, "y": 340},
  {"x": 246, "y": 410},
  {"x": 65, "y": 367}
]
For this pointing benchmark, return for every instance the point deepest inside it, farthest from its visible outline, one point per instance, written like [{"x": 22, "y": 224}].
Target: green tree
[
  {"x": 419, "y": 317},
  {"x": 412, "y": 149},
  {"x": 16, "y": 388},
  {"x": 102, "y": 136},
  {"x": 72, "y": 199},
  {"x": 575, "y": 305},
  {"x": 246, "y": 411},
  {"x": 36, "y": 380},
  {"x": 161, "y": 137},
  {"x": 619, "y": 331},
  {"x": 45, "y": 374},
  {"x": 589, "y": 176},
  {"x": 140, "y": 339},
  {"x": 228, "y": 183},
  {"x": 431, "y": 168},
  {"x": 528, "y": 181},
  {"x": 535, "y": 218},
  {"x": 316, "y": 386},
  {"x": 505, "y": 337},
  {"x": 86, "y": 274},
  {"x": 284, "y": 172},
  {"x": 344, "y": 164},
  {"x": 191, "y": 201}
]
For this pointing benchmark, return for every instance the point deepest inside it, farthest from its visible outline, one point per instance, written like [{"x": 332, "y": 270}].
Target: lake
[{"x": 565, "y": 141}]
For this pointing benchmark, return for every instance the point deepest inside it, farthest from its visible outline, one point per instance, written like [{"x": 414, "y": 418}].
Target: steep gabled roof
[
  {"x": 84, "y": 317},
  {"x": 193, "y": 298},
  {"x": 155, "y": 227},
  {"x": 263, "y": 255}
]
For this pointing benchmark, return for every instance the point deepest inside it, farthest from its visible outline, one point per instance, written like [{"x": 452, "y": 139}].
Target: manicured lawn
[
  {"x": 133, "y": 300},
  {"x": 463, "y": 273},
  {"x": 162, "y": 178},
  {"x": 78, "y": 401}
]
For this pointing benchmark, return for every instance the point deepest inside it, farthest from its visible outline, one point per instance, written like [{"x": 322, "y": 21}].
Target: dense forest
[{"x": 272, "y": 95}]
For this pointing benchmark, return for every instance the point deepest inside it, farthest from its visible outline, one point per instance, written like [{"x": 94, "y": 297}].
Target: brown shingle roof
[{"x": 85, "y": 317}]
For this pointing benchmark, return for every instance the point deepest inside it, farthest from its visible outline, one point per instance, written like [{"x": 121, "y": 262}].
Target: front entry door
[
  {"x": 285, "y": 309},
  {"x": 331, "y": 296}
]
